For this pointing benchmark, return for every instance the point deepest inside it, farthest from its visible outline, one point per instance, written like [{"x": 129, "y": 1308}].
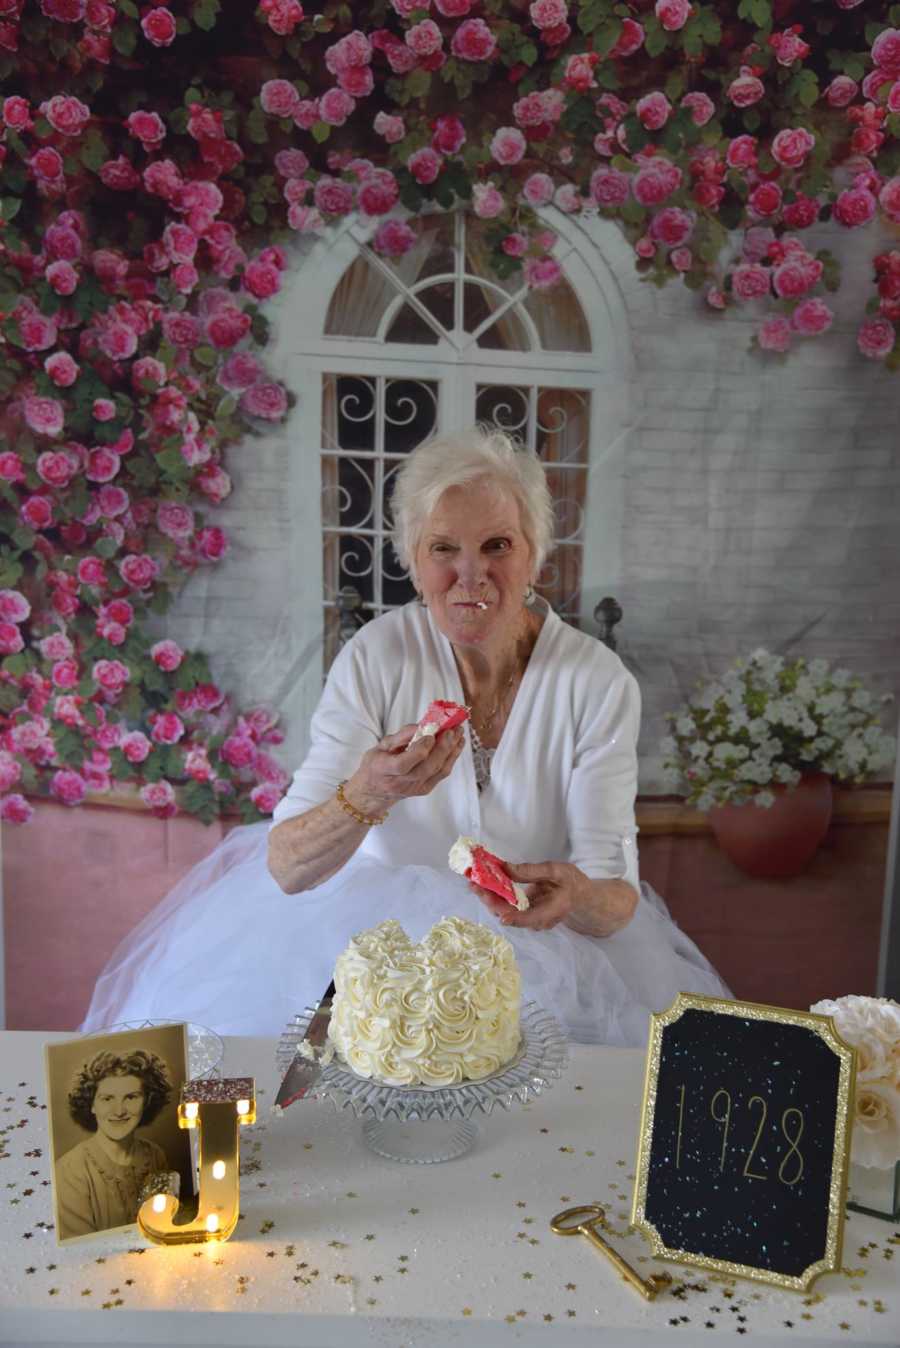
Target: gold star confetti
[
  {"x": 571, "y": 1314},
  {"x": 520, "y": 1204},
  {"x": 376, "y": 1277},
  {"x": 544, "y": 1130},
  {"x": 533, "y": 1241},
  {"x": 371, "y": 1301},
  {"x": 307, "y": 1146},
  {"x": 266, "y": 1228},
  {"x": 402, "y": 1270},
  {"x": 565, "y": 1198},
  {"x": 414, "y": 1212},
  {"x": 570, "y": 1150},
  {"x": 548, "y": 1317},
  {"x": 521, "y": 1314},
  {"x": 403, "y": 1258},
  {"x": 510, "y": 1319},
  {"x": 528, "y": 1221},
  {"x": 369, "y": 1236},
  {"x": 337, "y": 1245},
  {"x": 843, "y": 1325},
  {"x": 527, "y": 1276},
  {"x": 52, "y": 1291},
  {"x": 590, "y": 1153},
  {"x": 579, "y": 1088},
  {"x": 496, "y": 1175},
  {"x": 350, "y": 1194},
  {"x": 467, "y": 1310},
  {"x": 343, "y": 1278},
  {"x": 86, "y": 1292},
  {"x": 571, "y": 1287}
]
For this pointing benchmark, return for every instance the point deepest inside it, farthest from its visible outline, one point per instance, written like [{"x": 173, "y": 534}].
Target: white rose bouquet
[
  {"x": 768, "y": 721},
  {"x": 872, "y": 1026}
]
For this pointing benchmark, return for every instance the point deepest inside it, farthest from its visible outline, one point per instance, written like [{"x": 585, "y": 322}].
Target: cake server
[{"x": 304, "y": 1072}]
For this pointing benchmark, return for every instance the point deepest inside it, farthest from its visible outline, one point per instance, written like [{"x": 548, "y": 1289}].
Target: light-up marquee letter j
[{"x": 217, "y": 1109}]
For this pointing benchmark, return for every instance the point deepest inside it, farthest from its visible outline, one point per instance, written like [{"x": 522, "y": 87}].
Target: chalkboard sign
[{"x": 745, "y": 1140}]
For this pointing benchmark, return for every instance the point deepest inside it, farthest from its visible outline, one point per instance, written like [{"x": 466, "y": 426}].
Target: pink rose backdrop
[{"x": 156, "y": 164}]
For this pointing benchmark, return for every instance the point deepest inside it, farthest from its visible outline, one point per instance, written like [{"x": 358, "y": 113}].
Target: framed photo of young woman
[{"x": 113, "y": 1120}]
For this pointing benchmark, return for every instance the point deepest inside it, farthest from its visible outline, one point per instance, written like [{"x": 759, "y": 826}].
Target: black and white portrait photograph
[{"x": 114, "y": 1124}]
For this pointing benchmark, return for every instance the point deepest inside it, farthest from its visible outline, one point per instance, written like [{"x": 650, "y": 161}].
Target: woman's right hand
[{"x": 394, "y": 769}]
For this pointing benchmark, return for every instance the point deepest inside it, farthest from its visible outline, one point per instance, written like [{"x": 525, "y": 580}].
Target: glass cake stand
[{"x": 421, "y": 1125}]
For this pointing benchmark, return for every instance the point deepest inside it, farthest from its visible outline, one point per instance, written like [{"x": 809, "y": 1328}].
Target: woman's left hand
[
  {"x": 555, "y": 890},
  {"x": 559, "y": 892}
]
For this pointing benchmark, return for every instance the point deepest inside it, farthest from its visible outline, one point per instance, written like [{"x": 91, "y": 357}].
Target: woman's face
[
  {"x": 473, "y": 548},
  {"x": 118, "y": 1106}
]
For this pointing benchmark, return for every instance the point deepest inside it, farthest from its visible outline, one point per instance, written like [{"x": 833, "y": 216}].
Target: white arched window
[{"x": 432, "y": 342}]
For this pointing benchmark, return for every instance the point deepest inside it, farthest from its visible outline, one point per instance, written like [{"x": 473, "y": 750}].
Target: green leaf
[
  {"x": 171, "y": 462},
  {"x": 10, "y": 572},
  {"x": 125, "y": 36},
  {"x": 692, "y": 38},
  {"x": 160, "y": 601},
  {"x": 804, "y": 87},
  {"x": 10, "y": 208},
  {"x": 592, "y": 13},
  {"x": 418, "y": 82},
  {"x": 675, "y": 85},
  {"x": 320, "y": 132},
  {"x": 257, "y": 213},
  {"x": 94, "y": 151},
  {"x": 23, "y": 537},
  {"x": 257, "y": 131},
  {"x": 656, "y": 39},
  {"x": 105, "y": 547},
  {"x": 227, "y": 405},
  {"x": 204, "y": 13},
  {"x": 205, "y": 355},
  {"x": 606, "y": 36},
  {"x": 636, "y": 135}
]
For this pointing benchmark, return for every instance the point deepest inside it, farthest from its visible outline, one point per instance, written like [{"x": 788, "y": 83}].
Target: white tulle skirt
[{"x": 229, "y": 950}]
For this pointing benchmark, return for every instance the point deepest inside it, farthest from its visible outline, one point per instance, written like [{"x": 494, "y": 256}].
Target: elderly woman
[
  {"x": 99, "y": 1180},
  {"x": 544, "y": 774}
]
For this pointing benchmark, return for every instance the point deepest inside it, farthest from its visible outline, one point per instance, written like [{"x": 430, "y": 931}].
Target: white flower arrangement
[
  {"x": 767, "y": 721},
  {"x": 872, "y": 1026}
]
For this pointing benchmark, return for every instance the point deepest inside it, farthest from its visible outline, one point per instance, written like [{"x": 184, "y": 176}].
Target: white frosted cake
[{"x": 433, "y": 1014}]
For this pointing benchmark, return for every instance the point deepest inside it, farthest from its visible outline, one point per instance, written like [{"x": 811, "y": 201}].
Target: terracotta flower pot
[{"x": 779, "y": 841}]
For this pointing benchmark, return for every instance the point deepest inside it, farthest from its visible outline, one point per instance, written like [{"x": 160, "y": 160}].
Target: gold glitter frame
[{"x": 824, "y": 1027}]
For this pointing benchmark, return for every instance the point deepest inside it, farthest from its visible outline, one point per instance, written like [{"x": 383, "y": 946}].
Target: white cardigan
[{"x": 563, "y": 777}]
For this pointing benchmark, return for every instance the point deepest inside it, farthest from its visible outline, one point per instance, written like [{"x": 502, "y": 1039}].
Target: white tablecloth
[{"x": 337, "y": 1247}]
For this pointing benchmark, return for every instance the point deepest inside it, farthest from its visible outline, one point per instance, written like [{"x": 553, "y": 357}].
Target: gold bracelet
[{"x": 345, "y": 805}]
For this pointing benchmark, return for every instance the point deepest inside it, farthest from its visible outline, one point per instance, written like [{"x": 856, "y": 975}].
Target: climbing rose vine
[{"x": 158, "y": 163}]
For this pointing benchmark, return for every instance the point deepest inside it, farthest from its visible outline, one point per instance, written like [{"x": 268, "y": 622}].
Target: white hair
[{"x": 455, "y": 460}]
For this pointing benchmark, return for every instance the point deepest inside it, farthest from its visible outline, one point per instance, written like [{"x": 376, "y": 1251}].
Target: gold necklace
[{"x": 488, "y": 721}]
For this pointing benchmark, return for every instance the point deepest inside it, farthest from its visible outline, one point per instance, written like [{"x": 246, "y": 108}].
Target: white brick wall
[{"x": 759, "y": 498}]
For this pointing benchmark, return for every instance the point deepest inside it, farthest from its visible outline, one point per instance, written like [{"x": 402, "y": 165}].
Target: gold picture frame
[{"x": 824, "y": 1027}]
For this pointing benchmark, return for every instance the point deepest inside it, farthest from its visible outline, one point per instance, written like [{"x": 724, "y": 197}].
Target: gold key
[{"x": 584, "y": 1221}]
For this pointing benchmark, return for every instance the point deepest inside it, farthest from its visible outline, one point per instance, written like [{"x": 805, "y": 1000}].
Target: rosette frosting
[{"x": 433, "y": 1014}]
